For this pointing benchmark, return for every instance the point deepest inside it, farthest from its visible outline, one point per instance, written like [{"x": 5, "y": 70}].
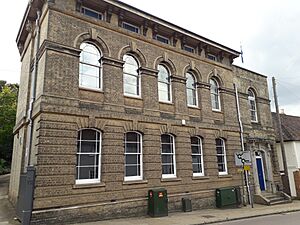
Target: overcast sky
[{"x": 269, "y": 31}]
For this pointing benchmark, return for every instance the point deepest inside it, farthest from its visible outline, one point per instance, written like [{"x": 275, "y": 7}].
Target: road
[{"x": 278, "y": 219}]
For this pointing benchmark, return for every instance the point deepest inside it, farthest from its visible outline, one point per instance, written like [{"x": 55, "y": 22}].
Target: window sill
[
  {"x": 132, "y": 182},
  {"x": 95, "y": 185},
  {"x": 91, "y": 89},
  {"x": 166, "y": 103},
  {"x": 225, "y": 176},
  {"x": 200, "y": 178},
  {"x": 193, "y": 106},
  {"x": 133, "y": 97},
  {"x": 170, "y": 179},
  {"x": 217, "y": 111}
]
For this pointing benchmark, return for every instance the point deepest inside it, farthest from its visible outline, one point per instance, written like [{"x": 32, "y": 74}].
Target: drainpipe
[
  {"x": 33, "y": 93},
  {"x": 242, "y": 143}
]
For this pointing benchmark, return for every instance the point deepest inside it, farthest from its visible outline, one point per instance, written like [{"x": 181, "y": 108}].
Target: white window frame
[
  {"x": 199, "y": 145},
  {"x": 185, "y": 47},
  {"x": 223, "y": 155},
  {"x": 195, "y": 90},
  {"x": 163, "y": 37},
  {"x": 173, "y": 156},
  {"x": 89, "y": 181},
  {"x": 169, "y": 84},
  {"x": 84, "y": 8},
  {"x": 134, "y": 178},
  {"x": 129, "y": 24},
  {"x": 212, "y": 92},
  {"x": 253, "y": 100},
  {"x": 100, "y": 69},
  {"x": 138, "y": 76}
]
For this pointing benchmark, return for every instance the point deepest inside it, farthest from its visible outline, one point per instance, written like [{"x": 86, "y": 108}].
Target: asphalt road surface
[{"x": 278, "y": 219}]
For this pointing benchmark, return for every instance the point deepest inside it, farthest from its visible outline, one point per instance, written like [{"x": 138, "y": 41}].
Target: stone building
[{"x": 114, "y": 101}]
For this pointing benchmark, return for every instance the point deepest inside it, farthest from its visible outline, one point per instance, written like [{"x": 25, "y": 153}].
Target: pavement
[{"x": 197, "y": 217}]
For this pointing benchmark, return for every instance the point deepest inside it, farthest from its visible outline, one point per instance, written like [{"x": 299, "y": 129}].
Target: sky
[{"x": 269, "y": 32}]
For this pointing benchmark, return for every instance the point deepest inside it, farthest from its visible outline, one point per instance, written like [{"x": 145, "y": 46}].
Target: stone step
[{"x": 283, "y": 201}]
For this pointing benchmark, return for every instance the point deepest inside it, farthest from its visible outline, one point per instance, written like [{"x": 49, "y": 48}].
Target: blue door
[{"x": 260, "y": 172}]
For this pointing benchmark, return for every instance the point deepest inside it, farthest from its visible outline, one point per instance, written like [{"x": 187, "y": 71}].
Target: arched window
[
  {"x": 191, "y": 90},
  {"x": 133, "y": 156},
  {"x": 164, "y": 84},
  {"x": 168, "y": 156},
  {"x": 221, "y": 156},
  {"x": 215, "y": 95},
  {"x": 252, "y": 105},
  {"x": 197, "y": 156},
  {"x": 90, "y": 71},
  {"x": 131, "y": 78},
  {"x": 88, "y": 156}
]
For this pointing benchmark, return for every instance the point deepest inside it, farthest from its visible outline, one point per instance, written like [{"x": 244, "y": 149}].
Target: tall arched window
[
  {"x": 133, "y": 156},
  {"x": 168, "y": 156},
  {"x": 131, "y": 77},
  {"x": 164, "y": 84},
  {"x": 215, "y": 95},
  {"x": 191, "y": 90},
  {"x": 221, "y": 156},
  {"x": 88, "y": 156},
  {"x": 252, "y": 105},
  {"x": 197, "y": 156},
  {"x": 90, "y": 71}
]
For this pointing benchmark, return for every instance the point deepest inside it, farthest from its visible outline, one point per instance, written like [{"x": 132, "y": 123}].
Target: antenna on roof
[{"x": 242, "y": 53}]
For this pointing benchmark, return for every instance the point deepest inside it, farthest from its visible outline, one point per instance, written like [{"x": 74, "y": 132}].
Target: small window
[
  {"x": 133, "y": 156},
  {"x": 197, "y": 156},
  {"x": 191, "y": 90},
  {"x": 252, "y": 105},
  {"x": 164, "y": 84},
  {"x": 88, "y": 156},
  {"x": 162, "y": 39},
  {"x": 91, "y": 13},
  {"x": 189, "y": 49},
  {"x": 130, "y": 27},
  {"x": 131, "y": 77},
  {"x": 212, "y": 57},
  {"x": 215, "y": 95},
  {"x": 90, "y": 71},
  {"x": 168, "y": 156},
  {"x": 221, "y": 156}
]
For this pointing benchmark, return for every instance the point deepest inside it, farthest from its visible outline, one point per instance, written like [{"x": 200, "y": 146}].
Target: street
[{"x": 277, "y": 219}]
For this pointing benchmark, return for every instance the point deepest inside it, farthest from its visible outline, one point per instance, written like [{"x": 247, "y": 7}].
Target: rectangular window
[
  {"x": 91, "y": 13},
  {"x": 189, "y": 49},
  {"x": 168, "y": 156},
  {"x": 212, "y": 57},
  {"x": 221, "y": 156},
  {"x": 162, "y": 39},
  {"x": 197, "y": 156},
  {"x": 133, "y": 156},
  {"x": 130, "y": 27}
]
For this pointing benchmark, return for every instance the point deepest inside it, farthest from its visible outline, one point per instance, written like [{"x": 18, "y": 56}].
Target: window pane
[
  {"x": 132, "y": 137},
  {"x": 132, "y": 159},
  {"x": 131, "y": 148},
  {"x": 88, "y": 135},
  {"x": 88, "y": 147},
  {"x": 132, "y": 171},
  {"x": 197, "y": 168},
  {"x": 196, "y": 159},
  {"x": 167, "y": 159},
  {"x": 88, "y": 160},
  {"x": 219, "y": 142},
  {"x": 220, "y": 150},
  {"x": 163, "y": 74},
  {"x": 88, "y": 173},
  {"x": 132, "y": 80},
  {"x": 167, "y": 169},
  {"x": 166, "y": 148},
  {"x": 165, "y": 138},
  {"x": 130, "y": 89},
  {"x": 195, "y": 150},
  {"x": 88, "y": 81}
]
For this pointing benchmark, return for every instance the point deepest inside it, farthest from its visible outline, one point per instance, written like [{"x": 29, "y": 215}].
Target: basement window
[
  {"x": 162, "y": 39},
  {"x": 131, "y": 27},
  {"x": 91, "y": 13}
]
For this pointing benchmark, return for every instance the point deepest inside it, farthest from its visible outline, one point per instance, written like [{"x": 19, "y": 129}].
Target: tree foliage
[{"x": 8, "y": 108}]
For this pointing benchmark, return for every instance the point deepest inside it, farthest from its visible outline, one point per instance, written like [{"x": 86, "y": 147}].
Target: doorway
[{"x": 260, "y": 171}]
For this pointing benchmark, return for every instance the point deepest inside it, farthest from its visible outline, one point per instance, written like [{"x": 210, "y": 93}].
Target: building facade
[
  {"x": 114, "y": 101},
  {"x": 291, "y": 137}
]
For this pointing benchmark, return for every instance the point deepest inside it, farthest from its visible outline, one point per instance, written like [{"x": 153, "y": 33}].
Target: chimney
[{"x": 282, "y": 111}]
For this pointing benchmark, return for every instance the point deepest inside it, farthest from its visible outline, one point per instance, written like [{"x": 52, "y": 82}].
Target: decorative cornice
[
  {"x": 49, "y": 45},
  {"x": 148, "y": 71},
  {"x": 176, "y": 78}
]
